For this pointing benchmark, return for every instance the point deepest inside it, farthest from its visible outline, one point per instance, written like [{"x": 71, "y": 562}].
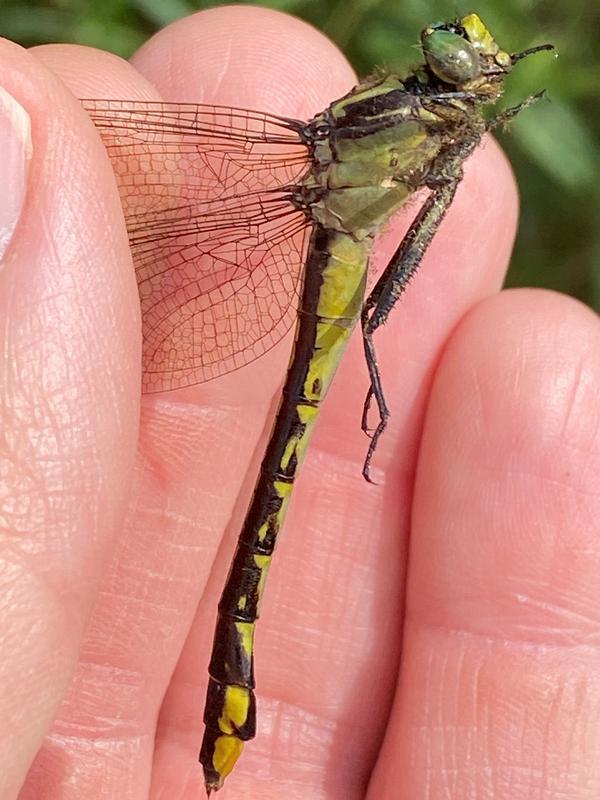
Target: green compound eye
[{"x": 449, "y": 56}]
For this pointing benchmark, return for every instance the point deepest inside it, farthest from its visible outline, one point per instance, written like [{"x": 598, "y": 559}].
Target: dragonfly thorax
[{"x": 382, "y": 143}]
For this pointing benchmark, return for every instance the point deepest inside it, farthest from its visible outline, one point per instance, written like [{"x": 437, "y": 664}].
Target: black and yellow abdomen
[
  {"x": 333, "y": 293},
  {"x": 360, "y": 176}
]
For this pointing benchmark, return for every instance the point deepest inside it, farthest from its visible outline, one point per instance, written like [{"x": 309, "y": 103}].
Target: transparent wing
[{"x": 217, "y": 244}]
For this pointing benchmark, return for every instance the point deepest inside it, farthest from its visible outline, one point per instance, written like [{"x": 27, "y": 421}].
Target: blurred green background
[{"x": 554, "y": 148}]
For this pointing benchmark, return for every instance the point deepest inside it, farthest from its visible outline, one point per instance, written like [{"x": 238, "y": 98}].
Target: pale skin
[{"x": 119, "y": 512}]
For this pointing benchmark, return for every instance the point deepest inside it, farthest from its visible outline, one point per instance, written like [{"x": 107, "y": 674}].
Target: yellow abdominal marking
[
  {"x": 263, "y": 563},
  {"x": 307, "y": 414},
  {"x": 263, "y": 530},
  {"x": 227, "y": 751},
  {"x": 283, "y": 489},
  {"x": 289, "y": 451},
  {"x": 246, "y": 633},
  {"x": 235, "y": 709}
]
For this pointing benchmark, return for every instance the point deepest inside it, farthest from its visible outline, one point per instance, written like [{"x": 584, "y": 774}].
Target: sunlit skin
[{"x": 120, "y": 513}]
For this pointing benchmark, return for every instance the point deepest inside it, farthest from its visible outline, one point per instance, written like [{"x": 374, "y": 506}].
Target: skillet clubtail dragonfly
[{"x": 242, "y": 224}]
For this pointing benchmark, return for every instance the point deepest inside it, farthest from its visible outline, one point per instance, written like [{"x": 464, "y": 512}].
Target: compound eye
[{"x": 450, "y": 56}]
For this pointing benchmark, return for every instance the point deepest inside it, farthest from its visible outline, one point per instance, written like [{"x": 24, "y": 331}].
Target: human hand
[{"x": 120, "y": 513}]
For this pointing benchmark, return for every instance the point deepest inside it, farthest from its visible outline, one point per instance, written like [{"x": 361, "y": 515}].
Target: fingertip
[
  {"x": 246, "y": 56},
  {"x": 92, "y": 73},
  {"x": 512, "y": 410},
  {"x": 68, "y": 296},
  {"x": 505, "y": 557},
  {"x": 521, "y": 348}
]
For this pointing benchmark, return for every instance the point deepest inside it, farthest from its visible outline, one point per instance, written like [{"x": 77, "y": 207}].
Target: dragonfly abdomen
[{"x": 333, "y": 292}]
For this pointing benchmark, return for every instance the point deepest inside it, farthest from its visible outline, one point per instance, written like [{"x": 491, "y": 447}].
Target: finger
[
  {"x": 498, "y": 690},
  {"x": 185, "y": 446},
  {"x": 89, "y": 73},
  {"x": 69, "y": 395},
  {"x": 249, "y": 57}
]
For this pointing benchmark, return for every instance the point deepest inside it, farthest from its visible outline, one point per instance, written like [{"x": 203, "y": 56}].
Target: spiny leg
[
  {"x": 372, "y": 366},
  {"x": 506, "y": 116},
  {"x": 392, "y": 283}
]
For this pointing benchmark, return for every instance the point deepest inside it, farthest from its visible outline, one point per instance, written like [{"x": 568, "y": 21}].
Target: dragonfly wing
[{"x": 218, "y": 246}]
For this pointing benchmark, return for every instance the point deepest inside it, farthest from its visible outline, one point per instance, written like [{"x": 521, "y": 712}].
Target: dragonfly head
[{"x": 464, "y": 55}]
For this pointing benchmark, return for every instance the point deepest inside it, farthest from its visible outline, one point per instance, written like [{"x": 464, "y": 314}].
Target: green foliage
[{"x": 553, "y": 147}]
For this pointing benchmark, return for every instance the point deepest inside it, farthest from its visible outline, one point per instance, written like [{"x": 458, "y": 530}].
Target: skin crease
[{"x": 109, "y": 591}]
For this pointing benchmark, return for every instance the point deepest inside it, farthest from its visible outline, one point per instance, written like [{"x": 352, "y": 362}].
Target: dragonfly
[{"x": 244, "y": 224}]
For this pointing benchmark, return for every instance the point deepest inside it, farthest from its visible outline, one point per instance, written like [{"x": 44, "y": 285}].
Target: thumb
[{"x": 69, "y": 381}]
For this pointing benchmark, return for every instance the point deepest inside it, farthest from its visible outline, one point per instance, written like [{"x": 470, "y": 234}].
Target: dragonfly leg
[
  {"x": 375, "y": 389},
  {"x": 364, "y": 423},
  {"x": 390, "y": 286},
  {"x": 504, "y": 117}
]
